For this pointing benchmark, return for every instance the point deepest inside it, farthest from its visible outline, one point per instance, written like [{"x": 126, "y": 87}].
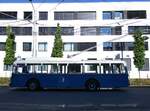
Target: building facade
[{"x": 90, "y": 30}]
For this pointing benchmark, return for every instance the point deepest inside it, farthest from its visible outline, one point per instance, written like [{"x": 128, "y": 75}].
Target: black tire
[
  {"x": 33, "y": 85},
  {"x": 92, "y": 85}
]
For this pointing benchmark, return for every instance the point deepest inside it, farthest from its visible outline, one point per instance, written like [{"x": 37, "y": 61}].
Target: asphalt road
[{"x": 130, "y": 99}]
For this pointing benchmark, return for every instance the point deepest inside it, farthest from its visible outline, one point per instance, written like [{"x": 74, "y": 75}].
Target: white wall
[{"x": 98, "y": 7}]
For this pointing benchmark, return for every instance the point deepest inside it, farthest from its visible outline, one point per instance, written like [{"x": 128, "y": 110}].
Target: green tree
[
  {"x": 9, "y": 47},
  {"x": 139, "y": 50},
  {"x": 58, "y": 44}
]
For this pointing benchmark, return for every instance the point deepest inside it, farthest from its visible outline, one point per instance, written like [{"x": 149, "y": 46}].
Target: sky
[{"x": 66, "y": 1}]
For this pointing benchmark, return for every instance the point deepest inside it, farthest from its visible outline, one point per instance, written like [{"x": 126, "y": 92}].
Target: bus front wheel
[
  {"x": 92, "y": 85},
  {"x": 33, "y": 85}
]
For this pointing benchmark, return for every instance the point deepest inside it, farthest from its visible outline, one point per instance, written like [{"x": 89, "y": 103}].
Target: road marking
[
  {"x": 73, "y": 105},
  {"x": 119, "y": 105}
]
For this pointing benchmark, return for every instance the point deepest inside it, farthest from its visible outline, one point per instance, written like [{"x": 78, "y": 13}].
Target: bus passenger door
[{"x": 62, "y": 76}]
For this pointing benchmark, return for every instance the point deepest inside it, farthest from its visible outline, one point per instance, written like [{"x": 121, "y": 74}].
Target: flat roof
[
  {"x": 69, "y": 1},
  {"x": 62, "y": 61}
]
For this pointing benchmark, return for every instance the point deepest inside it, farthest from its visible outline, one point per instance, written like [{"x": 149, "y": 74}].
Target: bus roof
[{"x": 62, "y": 61}]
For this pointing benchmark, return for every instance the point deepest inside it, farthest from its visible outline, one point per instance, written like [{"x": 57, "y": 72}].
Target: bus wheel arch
[
  {"x": 33, "y": 84},
  {"x": 92, "y": 84}
]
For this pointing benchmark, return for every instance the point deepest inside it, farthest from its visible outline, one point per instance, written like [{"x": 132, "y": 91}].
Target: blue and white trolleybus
[{"x": 54, "y": 73}]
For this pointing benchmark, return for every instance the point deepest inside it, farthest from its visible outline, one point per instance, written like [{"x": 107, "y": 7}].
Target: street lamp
[{"x": 34, "y": 32}]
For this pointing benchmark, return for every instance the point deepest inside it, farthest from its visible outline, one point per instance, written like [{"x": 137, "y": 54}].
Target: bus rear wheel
[
  {"x": 33, "y": 85},
  {"x": 92, "y": 85}
]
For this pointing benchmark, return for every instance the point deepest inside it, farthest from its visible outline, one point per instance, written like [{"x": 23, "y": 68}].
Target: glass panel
[
  {"x": 107, "y": 46},
  {"x": 42, "y": 46},
  {"x": 105, "y": 31},
  {"x": 141, "y": 14},
  {"x": 86, "y": 15},
  {"x": 107, "y": 15},
  {"x": 54, "y": 68},
  {"x": 88, "y": 31},
  {"x": 22, "y": 30},
  {"x": 2, "y": 46},
  {"x": 118, "y": 15},
  {"x": 8, "y": 15},
  {"x": 27, "y": 46},
  {"x": 91, "y": 68},
  {"x": 68, "y": 47},
  {"x": 74, "y": 68},
  {"x": 28, "y": 15},
  {"x": 43, "y": 15},
  {"x": 118, "y": 68},
  {"x": 67, "y": 30},
  {"x": 105, "y": 69},
  {"x": 146, "y": 65}
]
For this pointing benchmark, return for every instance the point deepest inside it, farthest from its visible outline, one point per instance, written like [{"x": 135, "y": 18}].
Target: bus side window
[
  {"x": 19, "y": 69},
  {"x": 54, "y": 68},
  {"x": 118, "y": 68},
  {"x": 25, "y": 69},
  {"x": 122, "y": 68},
  {"x": 115, "y": 68},
  {"x": 74, "y": 68},
  {"x": 62, "y": 68},
  {"x": 91, "y": 68},
  {"x": 105, "y": 69}
]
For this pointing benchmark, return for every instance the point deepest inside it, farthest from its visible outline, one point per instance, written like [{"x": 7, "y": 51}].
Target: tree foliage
[
  {"x": 139, "y": 50},
  {"x": 57, "y": 50},
  {"x": 9, "y": 47}
]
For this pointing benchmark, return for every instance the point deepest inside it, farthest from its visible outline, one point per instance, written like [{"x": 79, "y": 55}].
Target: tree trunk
[
  {"x": 139, "y": 77},
  {"x": 139, "y": 74}
]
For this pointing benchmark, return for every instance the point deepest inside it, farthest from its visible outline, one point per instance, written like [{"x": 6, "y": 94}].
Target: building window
[
  {"x": 7, "y": 67},
  {"x": 42, "y": 46},
  {"x": 27, "y": 46},
  {"x": 140, "y": 14},
  {"x": 52, "y": 30},
  {"x": 107, "y": 46},
  {"x": 134, "y": 14},
  {"x": 146, "y": 65},
  {"x": 144, "y": 29},
  {"x": 23, "y": 31},
  {"x": 68, "y": 47},
  {"x": 8, "y": 15},
  {"x": 95, "y": 30},
  {"x": 2, "y": 30},
  {"x": 116, "y": 30},
  {"x": 67, "y": 30},
  {"x": 63, "y": 15},
  {"x": 82, "y": 15},
  {"x": 105, "y": 31},
  {"x": 118, "y": 15},
  {"x": 28, "y": 15},
  {"x": 119, "y": 46},
  {"x": 107, "y": 15},
  {"x": 86, "y": 15},
  {"x": 2, "y": 46},
  {"x": 88, "y": 31},
  {"x": 80, "y": 46},
  {"x": 43, "y": 15}
]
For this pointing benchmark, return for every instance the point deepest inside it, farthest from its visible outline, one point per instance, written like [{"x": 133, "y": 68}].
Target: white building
[{"x": 107, "y": 25}]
